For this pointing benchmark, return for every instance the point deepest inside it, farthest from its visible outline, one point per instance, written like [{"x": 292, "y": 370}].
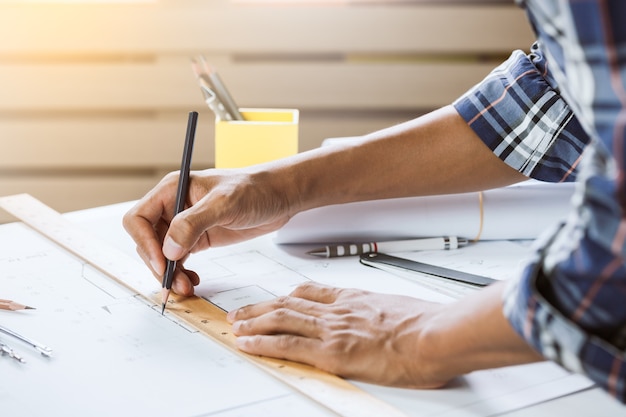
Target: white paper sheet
[
  {"x": 115, "y": 355},
  {"x": 521, "y": 211},
  {"x": 260, "y": 270}
]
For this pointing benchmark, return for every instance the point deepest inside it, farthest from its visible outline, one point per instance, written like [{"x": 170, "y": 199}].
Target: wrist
[
  {"x": 471, "y": 334},
  {"x": 307, "y": 180},
  {"x": 279, "y": 185}
]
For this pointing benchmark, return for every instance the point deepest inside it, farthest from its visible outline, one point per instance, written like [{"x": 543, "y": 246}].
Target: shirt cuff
[
  {"x": 557, "y": 338},
  {"x": 518, "y": 113}
]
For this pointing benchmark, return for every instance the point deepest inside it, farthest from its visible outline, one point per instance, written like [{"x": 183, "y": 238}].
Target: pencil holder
[{"x": 264, "y": 135}]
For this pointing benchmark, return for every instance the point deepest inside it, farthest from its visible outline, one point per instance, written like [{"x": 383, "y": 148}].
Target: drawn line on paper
[
  {"x": 245, "y": 406},
  {"x": 237, "y": 280}
]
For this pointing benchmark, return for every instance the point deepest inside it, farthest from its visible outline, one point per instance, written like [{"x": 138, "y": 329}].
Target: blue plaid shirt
[{"x": 559, "y": 114}]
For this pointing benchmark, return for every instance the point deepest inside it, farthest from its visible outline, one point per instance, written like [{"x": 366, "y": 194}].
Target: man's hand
[
  {"x": 222, "y": 208},
  {"x": 385, "y": 339},
  {"x": 352, "y": 333}
]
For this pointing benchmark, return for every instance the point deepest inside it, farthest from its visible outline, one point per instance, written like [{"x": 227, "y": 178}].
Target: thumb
[
  {"x": 184, "y": 231},
  {"x": 172, "y": 249}
]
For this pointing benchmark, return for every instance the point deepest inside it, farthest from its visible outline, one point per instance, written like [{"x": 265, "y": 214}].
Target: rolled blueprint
[{"x": 522, "y": 211}]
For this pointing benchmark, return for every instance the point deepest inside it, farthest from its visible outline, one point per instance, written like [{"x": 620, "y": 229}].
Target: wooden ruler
[{"x": 334, "y": 393}]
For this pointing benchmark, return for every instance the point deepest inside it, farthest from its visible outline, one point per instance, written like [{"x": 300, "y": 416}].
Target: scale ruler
[{"x": 332, "y": 392}]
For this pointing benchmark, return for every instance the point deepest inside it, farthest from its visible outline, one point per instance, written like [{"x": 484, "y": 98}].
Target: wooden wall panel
[
  {"x": 154, "y": 87},
  {"x": 94, "y": 97},
  {"x": 66, "y": 192},
  {"x": 97, "y": 143},
  {"x": 218, "y": 25}
]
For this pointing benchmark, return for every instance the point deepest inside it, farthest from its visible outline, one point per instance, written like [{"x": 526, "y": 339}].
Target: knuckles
[
  {"x": 287, "y": 343},
  {"x": 282, "y": 302}
]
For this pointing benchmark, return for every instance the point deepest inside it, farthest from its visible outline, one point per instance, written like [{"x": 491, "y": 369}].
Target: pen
[
  {"x": 352, "y": 249},
  {"x": 210, "y": 97},
  {"x": 181, "y": 197},
  {"x": 213, "y": 102},
  {"x": 13, "y": 306},
  {"x": 207, "y": 74}
]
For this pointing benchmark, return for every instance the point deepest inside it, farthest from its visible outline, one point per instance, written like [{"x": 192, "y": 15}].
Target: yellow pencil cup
[{"x": 264, "y": 135}]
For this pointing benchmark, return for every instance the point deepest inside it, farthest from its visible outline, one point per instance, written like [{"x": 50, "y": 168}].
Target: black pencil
[{"x": 181, "y": 198}]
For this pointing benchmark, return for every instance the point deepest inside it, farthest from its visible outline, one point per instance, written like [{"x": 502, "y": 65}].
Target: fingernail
[
  {"x": 171, "y": 249},
  {"x": 236, "y": 326},
  {"x": 230, "y": 317},
  {"x": 155, "y": 267},
  {"x": 242, "y": 342}
]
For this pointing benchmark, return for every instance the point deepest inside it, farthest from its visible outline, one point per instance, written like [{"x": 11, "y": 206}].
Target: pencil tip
[
  {"x": 29, "y": 308},
  {"x": 165, "y": 294}
]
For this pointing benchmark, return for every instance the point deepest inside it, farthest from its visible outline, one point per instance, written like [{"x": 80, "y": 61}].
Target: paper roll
[{"x": 522, "y": 211}]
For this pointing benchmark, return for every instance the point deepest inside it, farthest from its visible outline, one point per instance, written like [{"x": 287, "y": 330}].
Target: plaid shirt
[{"x": 559, "y": 114}]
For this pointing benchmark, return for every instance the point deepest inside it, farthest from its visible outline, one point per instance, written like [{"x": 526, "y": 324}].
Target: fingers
[
  {"x": 280, "y": 305},
  {"x": 184, "y": 281},
  {"x": 152, "y": 227},
  {"x": 145, "y": 220},
  {"x": 317, "y": 292},
  {"x": 283, "y": 333},
  {"x": 282, "y": 321},
  {"x": 188, "y": 229},
  {"x": 220, "y": 210},
  {"x": 321, "y": 331},
  {"x": 148, "y": 246},
  {"x": 310, "y": 298},
  {"x": 289, "y": 347}
]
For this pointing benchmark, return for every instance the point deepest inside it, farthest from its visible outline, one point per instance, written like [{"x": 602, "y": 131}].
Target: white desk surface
[{"x": 106, "y": 223}]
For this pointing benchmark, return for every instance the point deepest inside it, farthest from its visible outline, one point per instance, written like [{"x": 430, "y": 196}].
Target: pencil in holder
[{"x": 264, "y": 135}]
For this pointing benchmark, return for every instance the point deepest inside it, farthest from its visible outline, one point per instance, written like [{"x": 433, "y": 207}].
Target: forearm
[
  {"x": 434, "y": 154},
  {"x": 470, "y": 335}
]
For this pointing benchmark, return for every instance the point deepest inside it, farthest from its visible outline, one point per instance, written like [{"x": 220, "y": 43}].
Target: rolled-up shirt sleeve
[{"x": 521, "y": 117}]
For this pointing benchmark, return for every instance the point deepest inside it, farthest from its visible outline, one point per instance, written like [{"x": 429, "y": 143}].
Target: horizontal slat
[
  {"x": 314, "y": 128},
  {"x": 102, "y": 142},
  {"x": 66, "y": 193},
  {"x": 170, "y": 85},
  {"x": 90, "y": 143},
  {"x": 220, "y": 26}
]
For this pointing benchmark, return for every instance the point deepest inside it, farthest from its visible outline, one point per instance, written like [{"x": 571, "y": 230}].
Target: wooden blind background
[{"x": 94, "y": 97}]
